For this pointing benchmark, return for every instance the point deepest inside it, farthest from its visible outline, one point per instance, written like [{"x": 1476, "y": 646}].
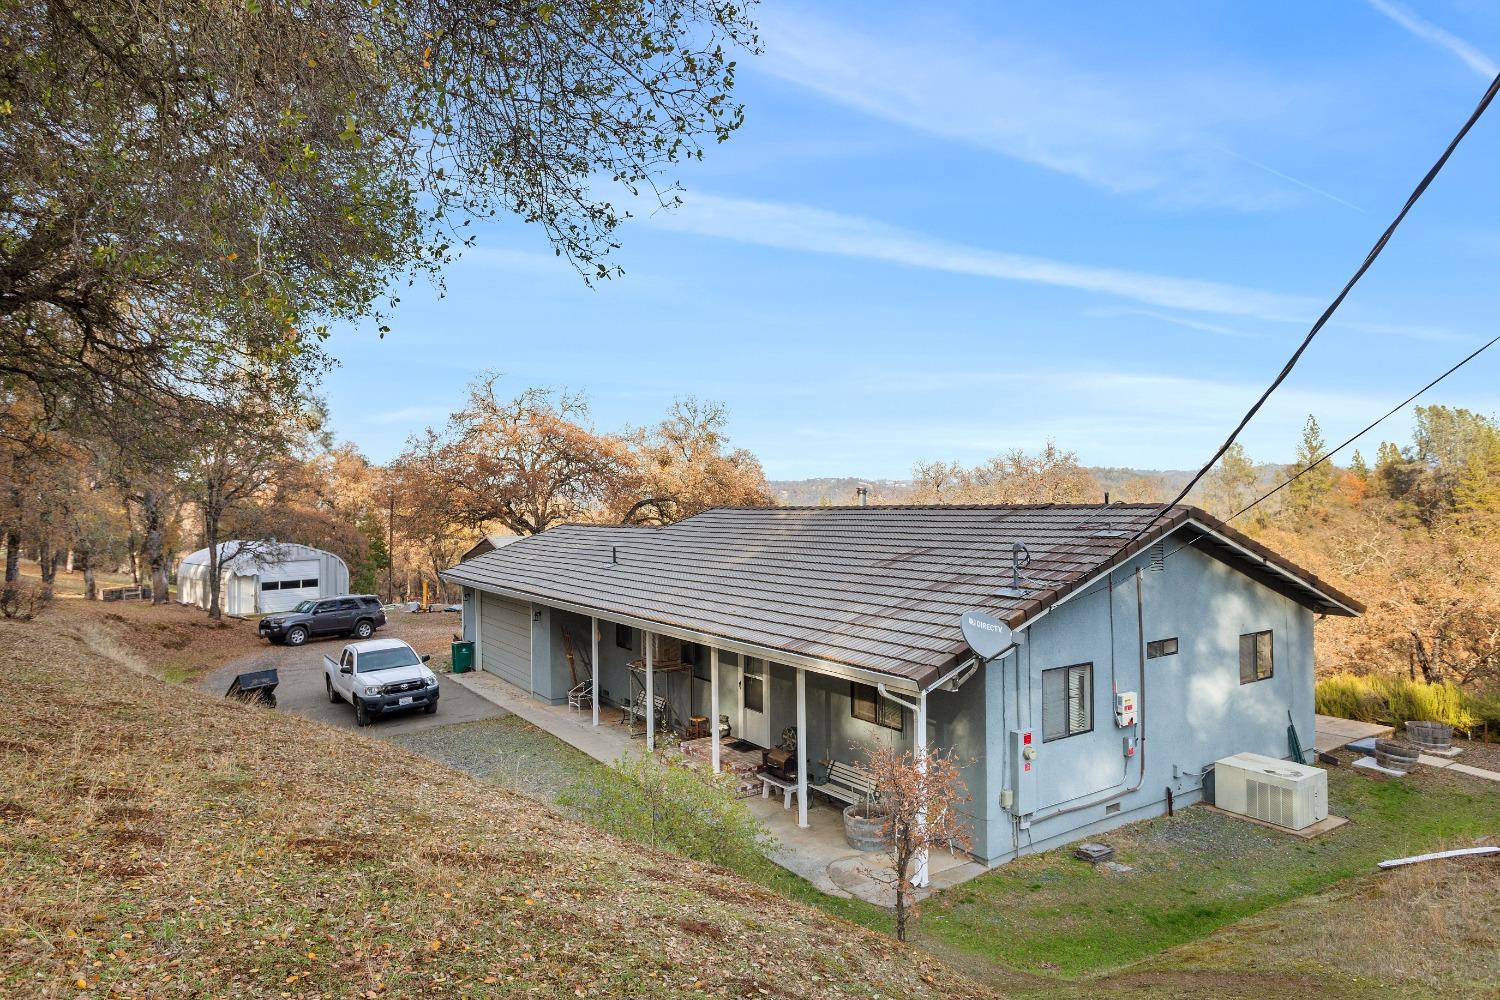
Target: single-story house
[
  {"x": 262, "y": 576},
  {"x": 487, "y": 543},
  {"x": 845, "y": 623}
]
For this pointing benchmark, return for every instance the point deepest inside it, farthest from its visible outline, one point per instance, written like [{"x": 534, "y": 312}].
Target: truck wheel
[
  {"x": 297, "y": 636},
  {"x": 361, "y": 714},
  {"x": 364, "y": 629},
  {"x": 333, "y": 697}
]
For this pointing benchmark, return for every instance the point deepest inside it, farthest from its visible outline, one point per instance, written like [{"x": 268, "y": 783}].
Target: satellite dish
[{"x": 986, "y": 635}]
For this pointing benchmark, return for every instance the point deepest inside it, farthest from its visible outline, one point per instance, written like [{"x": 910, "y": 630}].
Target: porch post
[
  {"x": 713, "y": 705},
  {"x": 919, "y": 748},
  {"x": 594, "y": 661},
  {"x": 801, "y": 747},
  {"x": 650, "y": 696}
]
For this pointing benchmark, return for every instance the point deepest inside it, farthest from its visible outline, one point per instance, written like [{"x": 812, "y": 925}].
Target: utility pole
[{"x": 390, "y": 549}]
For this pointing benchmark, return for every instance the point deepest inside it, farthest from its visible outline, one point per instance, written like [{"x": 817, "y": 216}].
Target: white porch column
[
  {"x": 919, "y": 750},
  {"x": 650, "y": 696},
  {"x": 594, "y": 661},
  {"x": 801, "y": 747},
  {"x": 713, "y": 705}
]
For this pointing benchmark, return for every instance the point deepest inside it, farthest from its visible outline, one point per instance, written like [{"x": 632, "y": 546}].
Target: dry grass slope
[{"x": 154, "y": 841}]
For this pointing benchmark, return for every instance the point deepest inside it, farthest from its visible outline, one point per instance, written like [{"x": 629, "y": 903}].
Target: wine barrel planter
[
  {"x": 865, "y": 827},
  {"x": 1395, "y": 757},
  {"x": 1430, "y": 735}
]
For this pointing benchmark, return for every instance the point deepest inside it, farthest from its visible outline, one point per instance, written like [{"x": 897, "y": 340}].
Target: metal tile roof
[{"x": 879, "y": 588}]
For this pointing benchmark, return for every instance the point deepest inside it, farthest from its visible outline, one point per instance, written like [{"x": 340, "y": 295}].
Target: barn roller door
[
  {"x": 285, "y": 585},
  {"x": 505, "y": 639}
]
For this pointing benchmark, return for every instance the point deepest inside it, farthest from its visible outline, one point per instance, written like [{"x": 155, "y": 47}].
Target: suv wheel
[
  {"x": 297, "y": 636},
  {"x": 364, "y": 629}
]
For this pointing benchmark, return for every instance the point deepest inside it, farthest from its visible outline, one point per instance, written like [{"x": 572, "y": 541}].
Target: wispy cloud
[
  {"x": 815, "y": 230},
  {"x": 1182, "y": 321},
  {"x": 1161, "y": 135},
  {"x": 1441, "y": 37},
  {"x": 800, "y": 227}
]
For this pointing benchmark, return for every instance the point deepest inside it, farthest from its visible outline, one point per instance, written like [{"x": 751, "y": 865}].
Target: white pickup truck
[{"x": 379, "y": 676}]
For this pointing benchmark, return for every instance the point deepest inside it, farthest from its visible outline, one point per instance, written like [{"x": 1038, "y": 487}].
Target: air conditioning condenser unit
[{"x": 1273, "y": 791}]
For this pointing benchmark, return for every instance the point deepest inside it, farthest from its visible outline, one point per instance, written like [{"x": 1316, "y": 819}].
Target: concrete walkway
[
  {"x": 1330, "y": 733},
  {"x": 819, "y": 853},
  {"x": 1457, "y": 768}
]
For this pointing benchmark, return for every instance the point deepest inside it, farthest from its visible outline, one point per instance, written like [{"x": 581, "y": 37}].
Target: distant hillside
[{"x": 1118, "y": 482}]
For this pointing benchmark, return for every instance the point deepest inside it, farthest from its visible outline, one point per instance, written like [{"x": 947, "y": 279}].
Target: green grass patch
[{"x": 1056, "y": 915}]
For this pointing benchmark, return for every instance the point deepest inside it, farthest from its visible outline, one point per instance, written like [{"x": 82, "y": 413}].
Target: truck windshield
[
  {"x": 385, "y": 659},
  {"x": 304, "y": 608}
]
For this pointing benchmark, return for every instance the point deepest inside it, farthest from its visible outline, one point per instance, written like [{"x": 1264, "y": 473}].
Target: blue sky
[{"x": 949, "y": 230}]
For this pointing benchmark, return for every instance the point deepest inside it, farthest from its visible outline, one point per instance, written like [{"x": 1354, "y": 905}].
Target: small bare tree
[{"x": 919, "y": 792}]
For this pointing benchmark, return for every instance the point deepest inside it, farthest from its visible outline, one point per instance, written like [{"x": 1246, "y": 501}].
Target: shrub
[
  {"x": 1396, "y": 700},
  {"x": 22, "y": 602},
  {"x": 655, "y": 799}
]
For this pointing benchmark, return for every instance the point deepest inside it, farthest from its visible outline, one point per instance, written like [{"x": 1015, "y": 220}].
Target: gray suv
[{"x": 358, "y": 615}]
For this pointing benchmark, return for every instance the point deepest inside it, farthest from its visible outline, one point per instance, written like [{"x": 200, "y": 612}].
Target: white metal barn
[{"x": 262, "y": 576}]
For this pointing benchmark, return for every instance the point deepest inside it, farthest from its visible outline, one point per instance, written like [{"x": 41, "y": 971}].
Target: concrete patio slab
[{"x": 1331, "y": 733}]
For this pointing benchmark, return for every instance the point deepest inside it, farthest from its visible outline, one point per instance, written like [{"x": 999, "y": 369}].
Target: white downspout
[
  {"x": 918, "y": 709},
  {"x": 594, "y": 661}
]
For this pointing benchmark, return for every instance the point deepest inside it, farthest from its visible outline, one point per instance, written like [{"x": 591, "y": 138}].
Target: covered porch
[{"x": 816, "y": 852}]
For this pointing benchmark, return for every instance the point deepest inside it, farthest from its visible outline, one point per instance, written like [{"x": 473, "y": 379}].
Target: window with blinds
[
  {"x": 1255, "y": 657},
  {"x": 1067, "y": 701}
]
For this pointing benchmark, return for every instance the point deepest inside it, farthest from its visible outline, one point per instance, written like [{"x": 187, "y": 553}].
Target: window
[
  {"x": 1161, "y": 647},
  {"x": 270, "y": 585},
  {"x": 1255, "y": 657},
  {"x": 1067, "y": 701},
  {"x": 304, "y": 583},
  {"x": 624, "y": 636},
  {"x": 324, "y": 607},
  {"x": 866, "y": 704},
  {"x": 348, "y": 604}
]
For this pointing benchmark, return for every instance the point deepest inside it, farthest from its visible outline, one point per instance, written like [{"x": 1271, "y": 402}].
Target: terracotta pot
[{"x": 866, "y": 829}]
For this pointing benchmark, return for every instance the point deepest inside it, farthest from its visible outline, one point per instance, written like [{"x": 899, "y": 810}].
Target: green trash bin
[{"x": 463, "y": 657}]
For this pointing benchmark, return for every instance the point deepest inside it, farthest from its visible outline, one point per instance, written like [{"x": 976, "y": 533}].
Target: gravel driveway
[{"x": 301, "y": 690}]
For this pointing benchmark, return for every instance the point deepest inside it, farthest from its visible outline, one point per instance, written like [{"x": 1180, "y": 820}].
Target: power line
[
  {"x": 1385, "y": 237},
  {"x": 1361, "y": 433}
]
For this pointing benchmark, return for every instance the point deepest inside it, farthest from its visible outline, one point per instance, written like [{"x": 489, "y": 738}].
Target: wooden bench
[
  {"x": 788, "y": 789},
  {"x": 845, "y": 782}
]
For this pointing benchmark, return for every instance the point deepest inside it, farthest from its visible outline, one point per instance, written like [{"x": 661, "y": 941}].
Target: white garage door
[
  {"x": 284, "y": 586},
  {"x": 505, "y": 639}
]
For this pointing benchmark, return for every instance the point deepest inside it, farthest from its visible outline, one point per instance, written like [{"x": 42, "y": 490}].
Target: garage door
[
  {"x": 505, "y": 639},
  {"x": 284, "y": 586}
]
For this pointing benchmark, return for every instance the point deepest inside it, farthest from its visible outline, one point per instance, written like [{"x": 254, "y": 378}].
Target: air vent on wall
[{"x": 1158, "y": 557}]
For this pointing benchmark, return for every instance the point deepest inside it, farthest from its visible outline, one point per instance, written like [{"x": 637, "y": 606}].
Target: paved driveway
[{"x": 301, "y": 690}]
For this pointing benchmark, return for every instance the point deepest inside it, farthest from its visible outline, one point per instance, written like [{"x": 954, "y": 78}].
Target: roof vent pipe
[
  {"x": 614, "y": 553},
  {"x": 1106, "y": 498},
  {"x": 863, "y": 494}
]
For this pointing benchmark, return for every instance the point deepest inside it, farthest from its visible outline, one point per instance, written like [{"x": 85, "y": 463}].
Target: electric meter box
[
  {"x": 1125, "y": 709},
  {"x": 1023, "y": 767}
]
